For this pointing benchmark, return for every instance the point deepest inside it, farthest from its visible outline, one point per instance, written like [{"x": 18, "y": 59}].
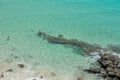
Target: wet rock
[
  {"x": 116, "y": 78},
  {"x": 92, "y": 70},
  {"x": 109, "y": 67}
]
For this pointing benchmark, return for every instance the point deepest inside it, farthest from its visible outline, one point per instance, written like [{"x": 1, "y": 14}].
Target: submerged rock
[
  {"x": 115, "y": 48},
  {"x": 21, "y": 65},
  {"x": 61, "y": 36},
  {"x": 8, "y": 38},
  {"x": 60, "y": 40},
  {"x": 9, "y": 70}
]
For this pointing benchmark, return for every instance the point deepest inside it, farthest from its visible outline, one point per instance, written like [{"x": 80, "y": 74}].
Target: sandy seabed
[{"x": 12, "y": 71}]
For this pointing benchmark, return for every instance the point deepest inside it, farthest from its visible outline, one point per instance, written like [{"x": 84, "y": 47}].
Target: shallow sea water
[{"x": 92, "y": 21}]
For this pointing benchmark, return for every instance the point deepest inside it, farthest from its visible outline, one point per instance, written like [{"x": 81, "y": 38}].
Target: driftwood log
[{"x": 87, "y": 48}]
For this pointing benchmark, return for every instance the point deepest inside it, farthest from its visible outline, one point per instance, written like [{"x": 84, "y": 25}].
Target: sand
[{"x": 12, "y": 71}]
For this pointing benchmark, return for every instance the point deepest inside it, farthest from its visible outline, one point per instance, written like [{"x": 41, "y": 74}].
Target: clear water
[{"x": 92, "y": 21}]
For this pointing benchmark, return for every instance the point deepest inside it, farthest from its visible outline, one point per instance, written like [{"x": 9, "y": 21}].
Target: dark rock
[
  {"x": 115, "y": 48},
  {"x": 8, "y": 38},
  {"x": 109, "y": 67},
  {"x": 108, "y": 78},
  {"x": 60, "y": 40},
  {"x": 42, "y": 34},
  {"x": 60, "y": 36},
  {"x": 92, "y": 70},
  {"x": 116, "y": 78},
  {"x": 2, "y": 75},
  {"x": 79, "y": 78},
  {"x": 9, "y": 70},
  {"x": 41, "y": 77},
  {"x": 21, "y": 65}
]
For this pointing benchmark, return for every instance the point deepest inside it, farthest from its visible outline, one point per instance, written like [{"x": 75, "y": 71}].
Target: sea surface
[{"x": 91, "y": 21}]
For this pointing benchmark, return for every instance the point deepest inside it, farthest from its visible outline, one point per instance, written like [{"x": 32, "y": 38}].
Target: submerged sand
[{"x": 11, "y": 71}]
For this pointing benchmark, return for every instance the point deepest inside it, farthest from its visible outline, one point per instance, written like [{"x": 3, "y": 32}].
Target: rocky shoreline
[{"x": 108, "y": 64}]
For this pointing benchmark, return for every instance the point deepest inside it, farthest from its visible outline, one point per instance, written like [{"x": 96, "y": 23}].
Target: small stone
[
  {"x": 41, "y": 77},
  {"x": 9, "y": 70},
  {"x": 8, "y": 38},
  {"x": 21, "y": 65},
  {"x": 2, "y": 75}
]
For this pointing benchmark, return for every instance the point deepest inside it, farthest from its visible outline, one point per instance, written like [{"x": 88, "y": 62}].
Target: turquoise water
[{"x": 92, "y": 21}]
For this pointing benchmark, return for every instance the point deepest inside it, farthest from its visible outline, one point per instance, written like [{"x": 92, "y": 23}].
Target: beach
[
  {"x": 13, "y": 71},
  {"x": 94, "y": 21}
]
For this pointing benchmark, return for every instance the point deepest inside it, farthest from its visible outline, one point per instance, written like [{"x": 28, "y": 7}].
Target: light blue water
[{"x": 92, "y": 21}]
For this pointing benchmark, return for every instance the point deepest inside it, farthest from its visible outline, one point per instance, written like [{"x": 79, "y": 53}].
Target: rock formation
[
  {"x": 109, "y": 67},
  {"x": 61, "y": 40}
]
